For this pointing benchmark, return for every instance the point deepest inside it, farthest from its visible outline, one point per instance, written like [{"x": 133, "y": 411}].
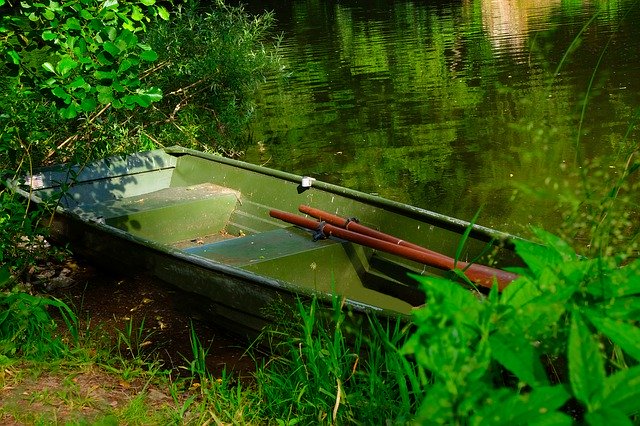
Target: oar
[
  {"x": 476, "y": 270},
  {"x": 479, "y": 274},
  {"x": 353, "y": 225}
]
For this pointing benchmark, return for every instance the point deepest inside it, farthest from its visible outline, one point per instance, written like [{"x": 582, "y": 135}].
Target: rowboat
[{"x": 232, "y": 233}]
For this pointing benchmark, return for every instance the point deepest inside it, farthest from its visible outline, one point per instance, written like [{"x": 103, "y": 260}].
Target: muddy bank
[{"x": 159, "y": 315}]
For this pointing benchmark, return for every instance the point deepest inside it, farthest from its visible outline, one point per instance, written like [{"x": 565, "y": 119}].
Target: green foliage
[
  {"x": 76, "y": 77},
  {"x": 329, "y": 372},
  {"x": 22, "y": 243},
  {"x": 28, "y": 330},
  {"x": 211, "y": 60},
  {"x": 560, "y": 342},
  {"x": 83, "y": 55}
]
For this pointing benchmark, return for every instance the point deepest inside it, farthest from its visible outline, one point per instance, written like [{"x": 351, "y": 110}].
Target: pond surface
[{"x": 453, "y": 106}]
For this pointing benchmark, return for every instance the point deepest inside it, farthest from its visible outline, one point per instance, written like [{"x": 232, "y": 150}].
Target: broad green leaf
[
  {"x": 561, "y": 247},
  {"x": 104, "y": 75},
  {"x": 73, "y": 24},
  {"x": 88, "y": 104},
  {"x": 111, "y": 48},
  {"x": 15, "y": 57},
  {"x": 69, "y": 112},
  {"x": 622, "y": 391},
  {"x": 65, "y": 66},
  {"x": 62, "y": 94},
  {"x": 623, "y": 334},
  {"x": 586, "y": 365},
  {"x": 536, "y": 407},
  {"x": 607, "y": 417},
  {"x": 136, "y": 13},
  {"x": 126, "y": 40},
  {"x": 624, "y": 308},
  {"x": 149, "y": 55},
  {"x": 5, "y": 276},
  {"x": 86, "y": 15},
  {"x": 103, "y": 60},
  {"x": 518, "y": 355},
  {"x": 110, "y": 3},
  {"x": 126, "y": 64},
  {"x": 148, "y": 2},
  {"x": 154, "y": 94},
  {"x": 49, "y": 35},
  {"x": 112, "y": 33},
  {"x": 164, "y": 14},
  {"x": 105, "y": 98},
  {"x": 49, "y": 15},
  {"x": 79, "y": 82},
  {"x": 626, "y": 280}
]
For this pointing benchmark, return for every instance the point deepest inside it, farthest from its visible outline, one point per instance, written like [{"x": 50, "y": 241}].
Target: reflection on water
[
  {"x": 508, "y": 23},
  {"x": 451, "y": 106}
]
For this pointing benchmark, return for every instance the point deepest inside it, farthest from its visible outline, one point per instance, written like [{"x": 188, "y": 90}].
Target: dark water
[{"x": 452, "y": 106}]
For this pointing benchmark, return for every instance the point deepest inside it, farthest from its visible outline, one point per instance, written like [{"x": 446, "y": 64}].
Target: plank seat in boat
[
  {"x": 170, "y": 214},
  {"x": 260, "y": 247}
]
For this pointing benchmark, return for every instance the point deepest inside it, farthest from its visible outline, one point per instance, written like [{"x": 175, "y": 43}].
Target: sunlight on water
[{"x": 453, "y": 106}]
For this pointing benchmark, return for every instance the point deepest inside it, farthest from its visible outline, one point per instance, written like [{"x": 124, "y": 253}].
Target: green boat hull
[{"x": 201, "y": 222}]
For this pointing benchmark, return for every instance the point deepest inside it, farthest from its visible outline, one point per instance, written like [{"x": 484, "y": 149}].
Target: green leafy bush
[
  {"x": 88, "y": 52},
  {"x": 211, "y": 60},
  {"x": 561, "y": 343}
]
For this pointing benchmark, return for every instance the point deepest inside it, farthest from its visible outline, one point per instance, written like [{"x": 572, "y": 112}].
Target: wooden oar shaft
[
  {"x": 354, "y": 226},
  {"x": 478, "y": 275}
]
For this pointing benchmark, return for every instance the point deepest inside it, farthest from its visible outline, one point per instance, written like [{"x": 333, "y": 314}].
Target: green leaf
[
  {"x": 66, "y": 65},
  {"x": 149, "y": 55},
  {"x": 126, "y": 40},
  {"x": 626, "y": 280},
  {"x": 148, "y": 2},
  {"x": 586, "y": 365},
  {"x": 622, "y": 391},
  {"x": 111, "y": 48},
  {"x": 5, "y": 276},
  {"x": 105, "y": 97},
  {"x": 88, "y": 104},
  {"x": 102, "y": 59},
  {"x": 624, "y": 308},
  {"x": 154, "y": 94},
  {"x": 15, "y": 57},
  {"x": 49, "y": 15},
  {"x": 62, "y": 94},
  {"x": 607, "y": 416},
  {"x": 86, "y": 15},
  {"x": 518, "y": 355},
  {"x": 136, "y": 13},
  {"x": 623, "y": 334},
  {"x": 104, "y": 75},
  {"x": 49, "y": 35},
  {"x": 126, "y": 64},
  {"x": 536, "y": 407},
  {"x": 79, "y": 82},
  {"x": 69, "y": 112},
  {"x": 110, "y": 4},
  {"x": 164, "y": 14},
  {"x": 73, "y": 24}
]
